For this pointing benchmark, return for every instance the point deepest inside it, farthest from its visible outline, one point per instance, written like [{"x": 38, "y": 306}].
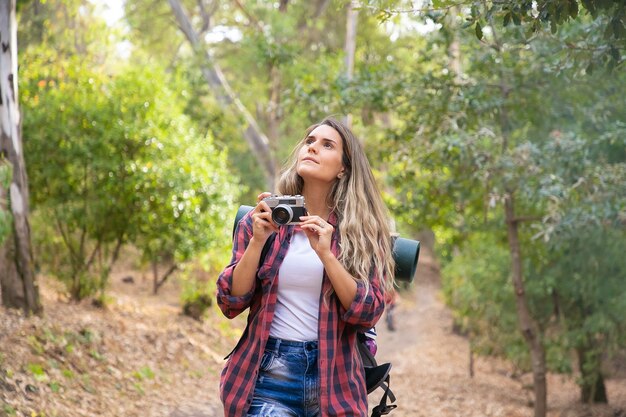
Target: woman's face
[{"x": 320, "y": 157}]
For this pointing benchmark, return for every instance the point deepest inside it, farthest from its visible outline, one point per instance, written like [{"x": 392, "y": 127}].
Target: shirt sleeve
[
  {"x": 368, "y": 304},
  {"x": 232, "y": 305}
]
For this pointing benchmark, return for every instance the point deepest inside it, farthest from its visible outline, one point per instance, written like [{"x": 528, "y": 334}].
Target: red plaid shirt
[{"x": 342, "y": 379}]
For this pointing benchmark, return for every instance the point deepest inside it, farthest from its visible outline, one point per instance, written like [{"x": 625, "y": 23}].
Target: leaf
[
  {"x": 507, "y": 19},
  {"x": 618, "y": 28},
  {"x": 516, "y": 19},
  {"x": 615, "y": 53},
  {"x": 573, "y": 9},
  {"x": 479, "y": 31},
  {"x": 608, "y": 32}
]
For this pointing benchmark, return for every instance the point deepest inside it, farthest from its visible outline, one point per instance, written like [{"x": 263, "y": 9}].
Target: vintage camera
[{"x": 286, "y": 209}]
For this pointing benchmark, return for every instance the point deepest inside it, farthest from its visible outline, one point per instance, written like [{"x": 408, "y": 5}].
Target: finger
[
  {"x": 312, "y": 219},
  {"x": 263, "y": 195},
  {"x": 266, "y": 216},
  {"x": 310, "y": 233},
  {"x": 318, "y": 224},
  {"x": 313, "y": 227},
  {"x": 264, "y": 220},
  {"x": 263, "y": 207}
]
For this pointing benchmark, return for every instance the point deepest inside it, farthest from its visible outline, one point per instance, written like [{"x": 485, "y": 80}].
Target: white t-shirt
[{"x": 299, "y": 289}]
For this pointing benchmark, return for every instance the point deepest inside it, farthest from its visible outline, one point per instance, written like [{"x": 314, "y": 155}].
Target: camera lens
[{"x": 282, "y": 214}]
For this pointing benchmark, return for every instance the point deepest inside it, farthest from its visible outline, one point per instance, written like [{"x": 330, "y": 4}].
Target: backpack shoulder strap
[
  {"x": 376, "y": 376},
  {"x": 382, "y": 408}
]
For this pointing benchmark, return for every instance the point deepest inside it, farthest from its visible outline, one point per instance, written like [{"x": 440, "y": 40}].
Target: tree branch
[
  {"x": 257, "y": 140},
  {"x": 159, "y": 282}
]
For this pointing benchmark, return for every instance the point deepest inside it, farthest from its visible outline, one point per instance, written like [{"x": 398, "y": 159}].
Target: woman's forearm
[{"x": 343, "y": 282}]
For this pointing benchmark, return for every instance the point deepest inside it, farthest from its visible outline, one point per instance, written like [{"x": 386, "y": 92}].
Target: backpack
[{"x": 375, "y": 375}]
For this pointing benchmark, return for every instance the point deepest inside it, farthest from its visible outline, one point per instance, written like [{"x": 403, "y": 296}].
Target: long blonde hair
[{"x": 363, "y": 220}]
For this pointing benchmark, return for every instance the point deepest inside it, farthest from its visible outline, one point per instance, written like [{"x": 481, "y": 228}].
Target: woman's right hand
[
  {"x": 246, "y": 269},
  {"x": 262, "y": 224}
]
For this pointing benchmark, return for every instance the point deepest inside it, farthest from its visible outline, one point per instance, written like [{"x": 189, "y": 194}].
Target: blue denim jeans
[{"x": 288, "y": 381}]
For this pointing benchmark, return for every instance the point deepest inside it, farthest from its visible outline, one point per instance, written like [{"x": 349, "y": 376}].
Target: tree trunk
[
  {"x": 454, "y": 48},
  {"x": 257, "y": 140},
  {"x": 592, "y": 388},
  {"x": 158, "y": 282},
  {"x": 527, "y": 325},
  {"x": 17, "y": 276},
  {"x": 320, "y": 7},
  {"x": 471, "y": 356},
  {"x": 350, "y": 47}
]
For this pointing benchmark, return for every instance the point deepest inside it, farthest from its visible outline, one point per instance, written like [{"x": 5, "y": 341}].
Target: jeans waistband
[{"x": 281, "y": 345}]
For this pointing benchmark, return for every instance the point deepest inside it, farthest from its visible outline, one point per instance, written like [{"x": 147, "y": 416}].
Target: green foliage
[
  {"x": 476, "y": 284},
  {"x": 144, "y": 373},
  {"x": 9, "y": 410},
  {"x": 189, "y": 202},
  {"x": 588, "y": 292},
  {"x": 71, "y": 26},
  {"x": 196, "y": 298},
  {"x": 68, "y": 374},
  {"x": 604, "y": 41},
  {"x": 37, "y": 371},
  {"x": 114, "y": 161},
  {"x": 55, "y": 387}
]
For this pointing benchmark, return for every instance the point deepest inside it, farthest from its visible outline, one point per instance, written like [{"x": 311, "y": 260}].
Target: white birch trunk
[
  {"x": 350, "y": 47},
  {"x": 17, "y": 278}
]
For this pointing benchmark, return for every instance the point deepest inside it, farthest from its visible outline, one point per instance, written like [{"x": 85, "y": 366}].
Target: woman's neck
[{"x": 316, "y": 197}]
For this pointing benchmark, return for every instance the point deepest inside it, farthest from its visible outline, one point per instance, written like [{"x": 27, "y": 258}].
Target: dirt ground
[{"x": 140, "y": 357}]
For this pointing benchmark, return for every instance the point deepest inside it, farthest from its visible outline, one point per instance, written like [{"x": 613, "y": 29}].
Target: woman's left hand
[{"x": 319, "y": 232}]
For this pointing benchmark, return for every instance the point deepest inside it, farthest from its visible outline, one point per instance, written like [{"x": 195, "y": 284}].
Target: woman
[{"x": 319, "y": 283}]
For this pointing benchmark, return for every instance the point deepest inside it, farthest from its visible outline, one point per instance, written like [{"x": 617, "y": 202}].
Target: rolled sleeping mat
[
  {"x": 243, "y": 210},
  {"x": 406, "y": 252}
]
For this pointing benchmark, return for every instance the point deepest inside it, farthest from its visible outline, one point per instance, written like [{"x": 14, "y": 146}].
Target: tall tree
[
  {"x": 214, "y": 76},
  {"x": 352, "y": 17},
  {"x": 17, "y": 276}
]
